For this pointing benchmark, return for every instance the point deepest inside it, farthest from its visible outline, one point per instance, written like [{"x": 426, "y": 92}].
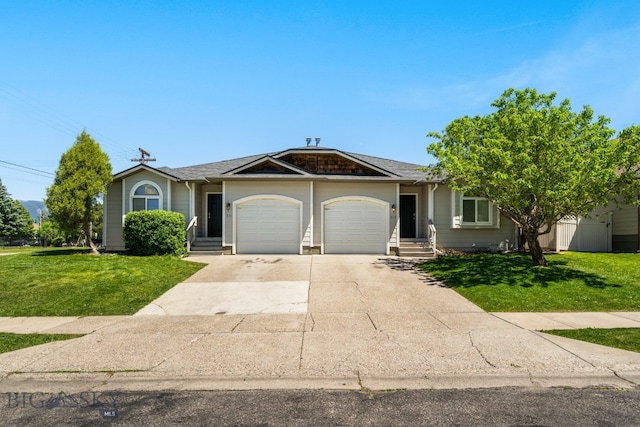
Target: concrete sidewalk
[
  {"x": 527, "y": 320},
  {"x": 572, "y": 320},
  {"x": 371, "y": 323}
]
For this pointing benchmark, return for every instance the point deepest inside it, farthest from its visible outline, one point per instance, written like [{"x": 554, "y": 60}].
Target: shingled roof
[{"x": 392, "y": 169}]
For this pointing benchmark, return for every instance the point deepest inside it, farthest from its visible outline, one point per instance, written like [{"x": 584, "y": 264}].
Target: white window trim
[
  {"x": 457, "y": 213},
  {"x": 138, "y": 185},
  {"x": 476, "y": 200}
]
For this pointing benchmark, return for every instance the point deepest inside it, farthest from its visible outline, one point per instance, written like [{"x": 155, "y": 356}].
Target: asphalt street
[
  {"x": 369, "y": 342},
  {"x": 470, "y": 407}
]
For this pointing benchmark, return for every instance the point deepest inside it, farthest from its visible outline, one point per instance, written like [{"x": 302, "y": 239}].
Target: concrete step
[
  {"x": 206, "y": 252},
  {"x": 415, "y": 246},
  {"x": 416, "y": 254},
  {"x": 208, "y": 240},
  {"x": 207, "y": 246},
  {"x": 415, "y": 249}
]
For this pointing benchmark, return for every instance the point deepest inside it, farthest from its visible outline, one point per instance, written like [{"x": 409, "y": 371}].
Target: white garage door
[
  {"x": 268, "y": 226},
  {"x": 355, "y": 227}
]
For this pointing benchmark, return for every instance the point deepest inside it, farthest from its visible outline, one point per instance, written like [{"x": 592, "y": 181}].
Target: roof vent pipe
[
  {"x": 317, "y": 141},
  {"x": 308, "y": 141}
]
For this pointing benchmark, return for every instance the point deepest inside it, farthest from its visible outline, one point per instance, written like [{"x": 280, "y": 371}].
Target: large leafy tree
[
  {"x": 50, "y": 234},
  {"x": 538, "y": 161},
  {"x": 83, "y": 174}
]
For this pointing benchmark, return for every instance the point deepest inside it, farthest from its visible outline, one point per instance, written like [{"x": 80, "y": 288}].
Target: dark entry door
[
  {"x": 214, "y": 215},
  {"x": 408, "y": 216}
]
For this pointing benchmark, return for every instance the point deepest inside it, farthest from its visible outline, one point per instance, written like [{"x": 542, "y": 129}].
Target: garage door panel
[
  {"x": 268, "y": 226},
  {"x": 356, "y": 227}
]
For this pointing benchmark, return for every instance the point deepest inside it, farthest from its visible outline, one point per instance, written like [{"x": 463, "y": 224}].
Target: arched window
[{"x": 146, "y": 196}]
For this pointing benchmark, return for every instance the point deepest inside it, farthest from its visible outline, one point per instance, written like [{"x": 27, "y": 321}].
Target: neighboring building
[
  {"x": 308, "y": 200},
  {"x": 625, "y": 231},
  {"x": 610, "y": 229}
]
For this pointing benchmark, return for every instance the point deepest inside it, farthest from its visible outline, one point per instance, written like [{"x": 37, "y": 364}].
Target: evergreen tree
[
  {"x": 8, "y": 214},
  {"x": 83, "y": 174},
  {"x": 24, "y": 222}
]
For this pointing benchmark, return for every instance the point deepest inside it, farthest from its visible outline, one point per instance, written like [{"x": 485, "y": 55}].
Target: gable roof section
[
  {"x": 164, "y": 172},
  {"x": 267, "y": 165},
  {"x": 331, "y": 162},
  {"x": 274, "y": 165},
  {"x": 401, "y": 169}
]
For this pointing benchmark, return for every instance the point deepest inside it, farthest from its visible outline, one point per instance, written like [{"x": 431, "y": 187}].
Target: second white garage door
[
  {"x": 268, "y": 226},
  {"x": 355, "y": 227}
]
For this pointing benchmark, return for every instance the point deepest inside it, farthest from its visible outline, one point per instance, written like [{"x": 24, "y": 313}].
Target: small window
[
  {"x": 476, "y": 210},
  {"x": 146, "y": 190},
  {"x": 146, "y": 197}
]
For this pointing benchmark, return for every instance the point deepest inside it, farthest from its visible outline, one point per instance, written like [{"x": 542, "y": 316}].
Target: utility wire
[
  {"x": 25, "y": 171},
  {"x": 64, "y": 123},
  {"x": 39, "y": 172}
]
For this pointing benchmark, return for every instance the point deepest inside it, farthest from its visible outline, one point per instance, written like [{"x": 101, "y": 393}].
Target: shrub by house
[{"x": 154, "y": 233}]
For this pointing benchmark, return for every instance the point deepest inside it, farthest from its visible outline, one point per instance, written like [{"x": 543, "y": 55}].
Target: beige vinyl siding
[
  {"x": 387, "y": 192},
  {"x": 133, "y": 180},
  {"x": 236, "y": 190},
  {"x": 113, "y": 216},
  {"x": 467, "y": 238},
  {"x": 625, "y": 220},
  {"x": 180, "y": 199},
  {"x": 423, "y": 211},
  {"x": 625, "y": 228}
]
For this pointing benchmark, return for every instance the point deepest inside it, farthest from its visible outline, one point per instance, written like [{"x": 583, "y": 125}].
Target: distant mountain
[{"x": 35, "y": 207}]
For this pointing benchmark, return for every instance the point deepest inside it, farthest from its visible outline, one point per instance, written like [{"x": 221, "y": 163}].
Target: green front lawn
[
  {"x": 573, "y": 281},
  {"x": 67, "y": 282},
  {"x": 624, "y": 338},
  {"x": 12, "y": 342}
]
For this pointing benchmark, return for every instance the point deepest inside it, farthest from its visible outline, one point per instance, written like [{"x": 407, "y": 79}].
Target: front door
[
  {"x": 214, "y": 215},
  {"x": 408, "y": 216}
]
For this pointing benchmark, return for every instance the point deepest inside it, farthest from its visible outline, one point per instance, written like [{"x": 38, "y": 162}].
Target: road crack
[{"x": 473, "y": 344}]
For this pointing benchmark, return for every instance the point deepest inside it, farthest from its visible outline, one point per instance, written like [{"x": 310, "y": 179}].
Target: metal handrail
[
  {"x": 432, "y": 236},
  {"x": 191, "y": 232},
  {"x": 432, "y": 239}
]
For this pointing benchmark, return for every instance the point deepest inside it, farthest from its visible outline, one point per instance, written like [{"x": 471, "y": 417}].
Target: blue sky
[{"x": 200, "y": 81}]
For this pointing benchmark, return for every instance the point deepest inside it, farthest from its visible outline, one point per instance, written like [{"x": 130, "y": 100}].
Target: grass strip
[
  {"x": 573, "y": 281},
  {"x": 623, "y": 338},
  {"x": 12, "y": 342},
  {"x": 68, "y": 282}
]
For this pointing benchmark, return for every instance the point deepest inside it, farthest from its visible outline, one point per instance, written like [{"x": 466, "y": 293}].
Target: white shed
[{"x": 580, "y": 234}]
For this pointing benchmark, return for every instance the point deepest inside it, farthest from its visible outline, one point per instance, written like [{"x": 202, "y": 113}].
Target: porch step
[
  {"x": 206, "y": 246},
  {"x": 415, "y": 249}
]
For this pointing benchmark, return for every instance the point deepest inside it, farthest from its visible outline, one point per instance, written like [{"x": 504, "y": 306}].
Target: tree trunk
[
  {"x": 522, "y": 242},
  {"x": 87, "y": 232},
  {"x": 535, "y": 249}
]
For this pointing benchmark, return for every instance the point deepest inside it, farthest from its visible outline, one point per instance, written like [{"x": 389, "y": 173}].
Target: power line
[
  {"x": 62, "y": 122},
  {"x": 39, "y": 172}
]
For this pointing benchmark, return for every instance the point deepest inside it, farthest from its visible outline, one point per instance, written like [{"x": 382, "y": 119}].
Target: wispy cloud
[
  {"x": 602, "y": 70},
  {"x": 508, "y": 29}
]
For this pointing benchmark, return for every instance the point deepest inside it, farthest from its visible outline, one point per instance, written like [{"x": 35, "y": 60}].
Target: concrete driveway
[
  {"x": 334, "y": 322},
  {"x": 301, "y": 284},
  {"x": 240, "y": 285}
]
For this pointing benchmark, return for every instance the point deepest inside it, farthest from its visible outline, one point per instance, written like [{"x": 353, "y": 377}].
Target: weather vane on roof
[{"x": 145, "y": 157}]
